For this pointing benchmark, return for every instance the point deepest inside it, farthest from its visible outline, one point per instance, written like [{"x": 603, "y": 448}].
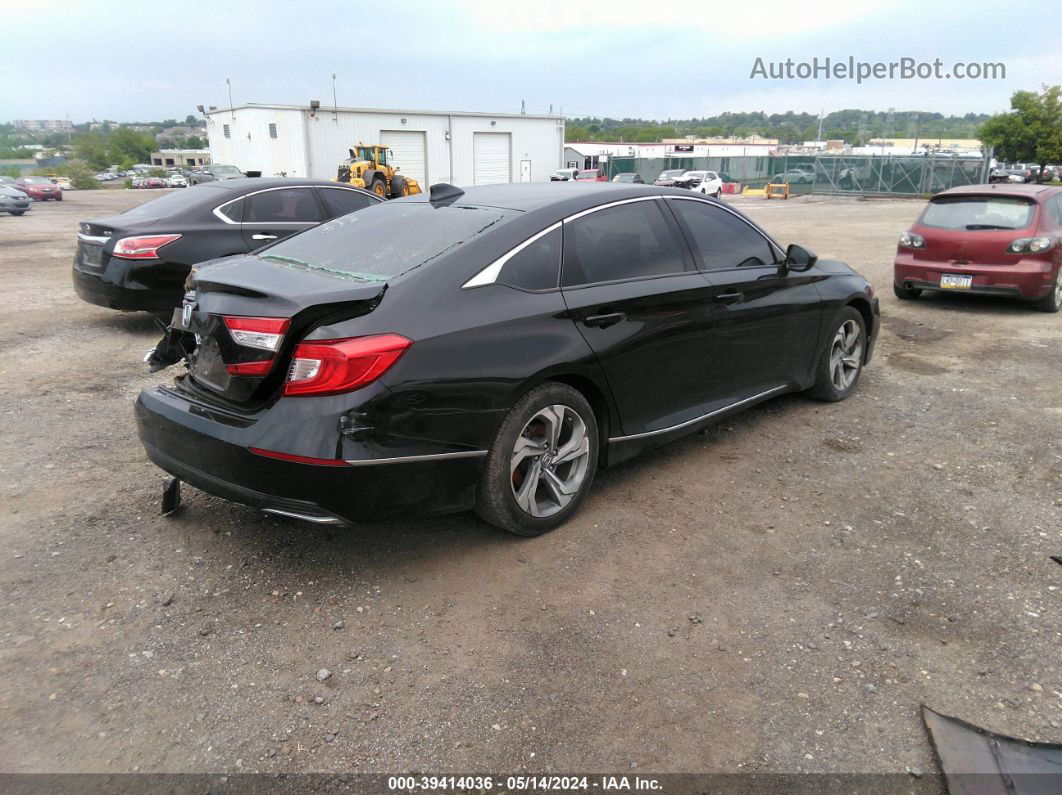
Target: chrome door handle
[
  {"x": 606, "y": 320},
  {"x": 730, "y": 298},
  {"x": 263, "y": 237}
]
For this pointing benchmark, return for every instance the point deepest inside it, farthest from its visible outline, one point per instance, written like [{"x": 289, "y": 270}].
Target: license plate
[
  {"x": 91, "y": 255},
  {"x": 955, "y": 282}
]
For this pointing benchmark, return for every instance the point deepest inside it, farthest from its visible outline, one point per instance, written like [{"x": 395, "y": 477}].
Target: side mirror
[{"x": 798, "y": 259}]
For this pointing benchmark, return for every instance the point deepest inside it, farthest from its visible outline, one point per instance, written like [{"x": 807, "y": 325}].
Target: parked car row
[
  {"x": 1024, "y": 172},
  {"x": 707, "y": 183}
]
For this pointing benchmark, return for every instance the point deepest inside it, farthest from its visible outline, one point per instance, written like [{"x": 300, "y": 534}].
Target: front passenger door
[
  {"x": 278, "y": 212},
  {"x": 764, "y": 324}
]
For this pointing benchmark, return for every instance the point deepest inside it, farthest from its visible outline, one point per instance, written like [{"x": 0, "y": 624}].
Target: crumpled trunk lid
[{"x": 255, "y": 287}]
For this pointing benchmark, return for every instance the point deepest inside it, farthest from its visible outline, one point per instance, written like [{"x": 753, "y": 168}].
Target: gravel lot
[{"x": 779, "y": 593}]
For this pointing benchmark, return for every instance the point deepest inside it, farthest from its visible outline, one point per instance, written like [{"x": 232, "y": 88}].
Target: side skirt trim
[
  {"x": 694, "y": 421},
  {"x": 410, "y": 459}
]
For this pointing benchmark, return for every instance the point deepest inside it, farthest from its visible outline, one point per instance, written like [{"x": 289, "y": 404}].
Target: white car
[
  {"x": 177, "y": 181},
  {"x": 563, "y": 175},
  {"x": 708, "y": 183}
]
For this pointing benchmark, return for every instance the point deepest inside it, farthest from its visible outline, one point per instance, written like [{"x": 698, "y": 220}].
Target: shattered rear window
[{"x": 387, "y": 240}]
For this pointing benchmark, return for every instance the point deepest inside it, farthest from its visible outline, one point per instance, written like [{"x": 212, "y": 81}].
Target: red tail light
[
  {"x": 330, "y": 367},
  {"x": 146, "y": 247},
  {"x": 250, "y": 368},
  {"x": 263, "y": 333}
]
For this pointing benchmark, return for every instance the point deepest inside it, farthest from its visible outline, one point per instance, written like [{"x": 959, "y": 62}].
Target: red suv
[{"x": 1003, "y": 239}]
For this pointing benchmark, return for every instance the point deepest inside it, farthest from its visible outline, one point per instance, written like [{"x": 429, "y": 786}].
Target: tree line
[{"x": 854, "y": 126}]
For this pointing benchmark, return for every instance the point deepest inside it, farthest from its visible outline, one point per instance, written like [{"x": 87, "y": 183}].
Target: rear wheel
[
  {"x": 18, "y": 212},
  {"x": 379, "y": 187},
  {"x": 838, "y": 370},
  {"x": 1052, "y": 302},
  {"x": 541, "y": 463},
  {"x": 906, "y": 293}
]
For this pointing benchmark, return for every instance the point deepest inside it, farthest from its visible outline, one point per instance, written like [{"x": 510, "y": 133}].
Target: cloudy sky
[{"x": 129, "y": 60}]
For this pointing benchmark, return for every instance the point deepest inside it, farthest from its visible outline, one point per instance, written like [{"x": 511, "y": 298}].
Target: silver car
[{"x": 13, "y": 201}]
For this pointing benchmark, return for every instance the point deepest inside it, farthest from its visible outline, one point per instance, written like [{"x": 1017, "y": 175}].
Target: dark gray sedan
[{"x": 13, "y": 201}]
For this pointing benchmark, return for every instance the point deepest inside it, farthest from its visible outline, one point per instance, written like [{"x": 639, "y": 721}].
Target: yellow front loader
[{"x": 368, "y": 167}]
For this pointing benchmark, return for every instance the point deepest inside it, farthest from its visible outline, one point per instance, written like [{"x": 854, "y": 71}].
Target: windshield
[
  {"x": 226, "y": 171},
  {"x": 978, "y": 212},
  {"x": 672, "y": 173},
  {"x": 37, "y": 181},
  {"x": 375, "y": 244}
]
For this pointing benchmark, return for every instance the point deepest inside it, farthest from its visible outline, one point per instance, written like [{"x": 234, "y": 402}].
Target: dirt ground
[{"x": 777, "y": 594}]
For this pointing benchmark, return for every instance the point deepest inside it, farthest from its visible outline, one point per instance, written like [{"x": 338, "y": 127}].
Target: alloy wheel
[
  {"x": 549, "y": 461},
  {"x": 846, "y": 355}
]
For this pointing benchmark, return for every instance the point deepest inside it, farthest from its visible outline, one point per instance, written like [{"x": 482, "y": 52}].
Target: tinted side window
[
  {"x": 536, "y": 266},
  {"x": 288, "y": 205},
  {"x": 625, "y": 242},
  {"x": 340, "y": 201},
  {"x": 721, "y": 240},
  {"x": 233, "y": 211}
]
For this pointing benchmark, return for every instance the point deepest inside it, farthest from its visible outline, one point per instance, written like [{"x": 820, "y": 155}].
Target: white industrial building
[{"x": 431, "y": 146}]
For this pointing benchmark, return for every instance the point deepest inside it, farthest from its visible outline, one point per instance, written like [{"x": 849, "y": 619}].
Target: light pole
[
  {"x": 335, "y": 102},
  {"x": 232, "y": 110}
]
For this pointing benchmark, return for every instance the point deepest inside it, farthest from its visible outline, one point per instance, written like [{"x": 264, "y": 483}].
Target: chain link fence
[{"x": 858, "y": 175}]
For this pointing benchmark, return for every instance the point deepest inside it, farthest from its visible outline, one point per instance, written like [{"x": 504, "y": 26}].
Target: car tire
[
  {"x": 841, "y": 363},
  {"x": 1052, "y": 302},
  {"x": 906, "y": 293},
  {"x": 18, "y": 212},
  {"x": 551, "y": 422},
  {"x": 718, "y": 192},
  {"x": 58, "y": 198}
]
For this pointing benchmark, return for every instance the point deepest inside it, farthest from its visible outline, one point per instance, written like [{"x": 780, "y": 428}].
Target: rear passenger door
[
  {"x": 275, "y": 213},
  {"x": 763, "y": 327},
  {"x": 628, "y": 284}
]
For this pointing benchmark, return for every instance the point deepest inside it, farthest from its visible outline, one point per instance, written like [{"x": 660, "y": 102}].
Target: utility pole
[
  {"x": 335, "y": 102},
  {"x": 232, "y": 110},
  {"x": 819, "y": 138}
]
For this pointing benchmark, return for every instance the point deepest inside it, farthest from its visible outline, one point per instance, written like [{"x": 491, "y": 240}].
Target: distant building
[
  {"x": 462, "y": 148},
  {"x": 44, "y": 125},
  {"x": 917, "y": 146},
  {"x": 591, "y": 155},
  {"x": 180, "y": 158}
]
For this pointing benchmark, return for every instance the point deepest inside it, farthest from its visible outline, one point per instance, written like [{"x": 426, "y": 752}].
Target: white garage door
[
  {"x": 491, "y": 158},
  {"x": 408, "y": 149}
]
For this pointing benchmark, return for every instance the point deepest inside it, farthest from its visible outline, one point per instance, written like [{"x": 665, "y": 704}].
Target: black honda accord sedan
[
  {"x": 491, "y": 349},
  {"x": 139, "y": 259}
]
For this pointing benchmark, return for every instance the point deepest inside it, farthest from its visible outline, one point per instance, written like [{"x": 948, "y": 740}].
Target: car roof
[
  {"x": 271, "y": 182},
  {"x": 1002, "y": 188}
]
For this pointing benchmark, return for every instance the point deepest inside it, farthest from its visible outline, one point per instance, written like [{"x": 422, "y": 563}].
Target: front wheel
[
  {"x": 542, "y": 462},
  {"x": 18, "y": 212},
  {"x": 379, "y": 188},
  {"x": 1052, "y": 302},
  {"x": 718, "y": 192},
  {"x": 842, "y": 361}
]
